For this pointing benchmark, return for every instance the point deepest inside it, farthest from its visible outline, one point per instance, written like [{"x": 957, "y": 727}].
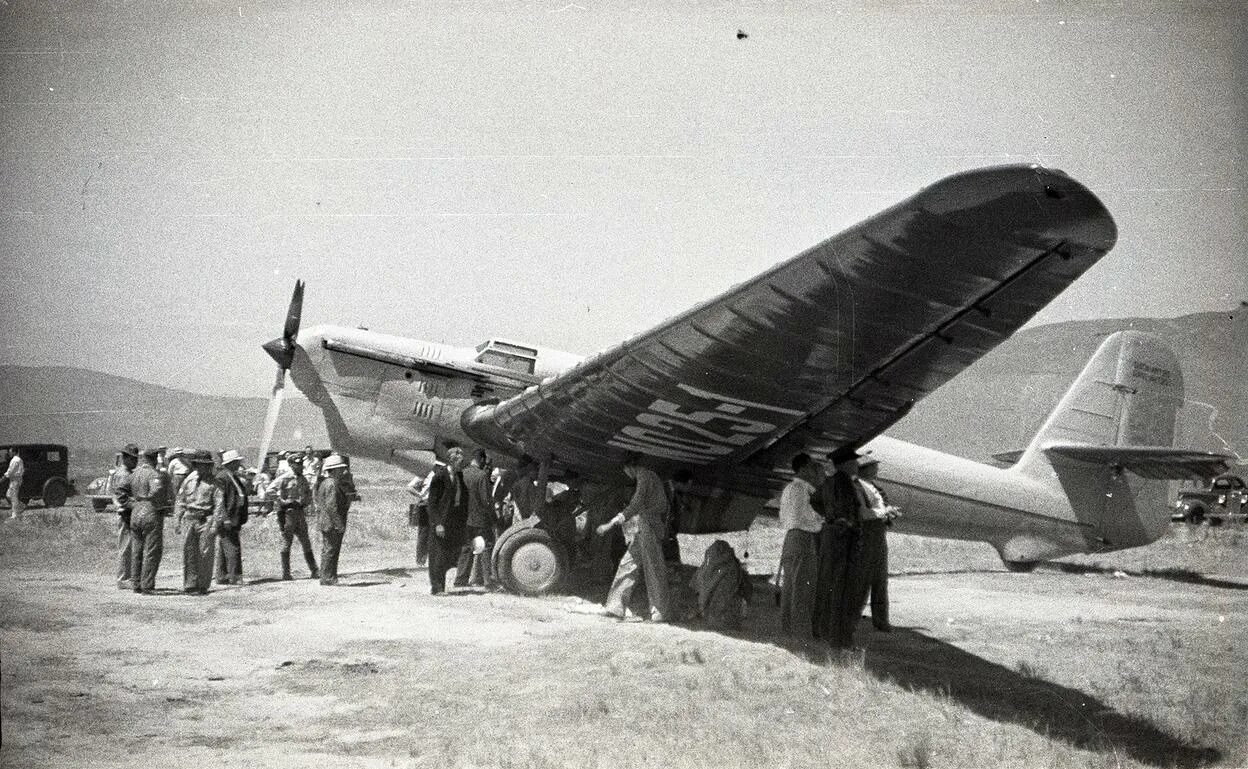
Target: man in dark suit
[
  {"x": 448, "y": 515},
  {"x": 229, "y": 539},
  {"x": 480, "y": 523},
  {"x": 839, "y": 501}
]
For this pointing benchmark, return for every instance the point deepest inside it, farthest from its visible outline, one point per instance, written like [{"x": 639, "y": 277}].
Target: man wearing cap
[
  {"x": 293, "y": 497},
  {"x": 799, "y": 558},
  {"x": 201, "y": 505},
  {"x": 839, "y": 500},
  {"x": 642, "y": 521},
  {"x": 129, "y": 461},
  {"x": 234, "y": 515},
  {"x": 332, "y": 501},
  {"x": 145, "y": 492},
  {"x": 448, "y": 513},
  {"x": 876, "y": 517}
]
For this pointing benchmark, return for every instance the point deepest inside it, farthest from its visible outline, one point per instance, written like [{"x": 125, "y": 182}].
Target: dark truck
[
  {"x": 46, "y": 477},
  {"x": 1226, "y": 499}
]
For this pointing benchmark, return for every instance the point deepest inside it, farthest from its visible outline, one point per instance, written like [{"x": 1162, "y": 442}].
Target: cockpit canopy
[{"x": 514, "y": 357}]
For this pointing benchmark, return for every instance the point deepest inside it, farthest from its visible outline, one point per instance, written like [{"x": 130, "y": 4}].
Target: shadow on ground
[{"x": 1173, "y": 574}]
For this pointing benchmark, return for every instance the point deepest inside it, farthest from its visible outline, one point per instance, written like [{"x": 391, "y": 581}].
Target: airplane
[{"x": 825, "y": 350}]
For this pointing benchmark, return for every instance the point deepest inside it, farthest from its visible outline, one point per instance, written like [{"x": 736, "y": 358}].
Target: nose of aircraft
[{"x": 281, "y": 350}]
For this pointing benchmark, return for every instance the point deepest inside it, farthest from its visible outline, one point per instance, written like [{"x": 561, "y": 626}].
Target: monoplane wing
[{"x": 826, "y": 349}]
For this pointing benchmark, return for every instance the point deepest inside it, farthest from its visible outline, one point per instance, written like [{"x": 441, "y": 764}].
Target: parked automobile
[
  {"x": 47, "y": 473},
  {"x": 1226, "y": 499},
  {"x": 100, "y": 490}
]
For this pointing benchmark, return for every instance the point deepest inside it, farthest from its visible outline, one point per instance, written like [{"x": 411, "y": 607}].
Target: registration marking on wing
[{"x": 707, "y": 427}]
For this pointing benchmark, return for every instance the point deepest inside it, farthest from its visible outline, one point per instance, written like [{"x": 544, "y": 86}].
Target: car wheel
[
  {"x": 55, "y": 492},
  {"x": 1196, "y": 516},
  {"x": 1020, "y": 567},
  {"x": 531, "y": 562}
]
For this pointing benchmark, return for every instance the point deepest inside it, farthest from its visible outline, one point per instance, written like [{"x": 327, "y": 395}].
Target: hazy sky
[{"x": 567, "y": 173}]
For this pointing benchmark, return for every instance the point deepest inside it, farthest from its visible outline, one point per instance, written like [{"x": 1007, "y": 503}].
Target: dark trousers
[
  {"x": 835, "y": 586},
  {"x": 124, "y": 557},
  {"x": 442, "y": 554},
  {"x": 873, "y": 573},
  {"x": 294, "y": 524},
  {"x": 331, "y": 547},
  {"x": 230, "y": 557},
  {"x": 147, "y": 545},
  {"x": 470, "y": 568},
  {"x": 422, "y": 534}
]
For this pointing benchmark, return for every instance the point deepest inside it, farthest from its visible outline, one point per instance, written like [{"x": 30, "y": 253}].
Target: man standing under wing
[
  {"x": 839, "y": 499},
  {"x": 642, "y": 521},
  {"x": 448, "y": 515},
  {"x": 799, "y": 559},
  {"x": 876, "y": 519}
]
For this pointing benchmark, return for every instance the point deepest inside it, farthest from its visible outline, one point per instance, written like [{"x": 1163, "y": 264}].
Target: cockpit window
[{"x": 506, "y": 355}]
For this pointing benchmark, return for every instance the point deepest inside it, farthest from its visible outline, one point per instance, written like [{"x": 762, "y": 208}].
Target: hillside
[
  {"x": 92, "y": 410},
  {"x": 999, "y": 403},
  {"x": 995, "y": 405}
]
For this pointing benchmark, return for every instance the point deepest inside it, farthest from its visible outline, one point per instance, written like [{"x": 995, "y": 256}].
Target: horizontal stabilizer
[
  {"x": 1008, "y": 458},
  {"x": 1154, "y": 462}
]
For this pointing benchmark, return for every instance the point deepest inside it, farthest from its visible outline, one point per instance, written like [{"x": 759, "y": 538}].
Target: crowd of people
[
  {"x": 835, "y": 551},
  {"x": 208, "y": 497},
  {"x": 833, "y": 557}
]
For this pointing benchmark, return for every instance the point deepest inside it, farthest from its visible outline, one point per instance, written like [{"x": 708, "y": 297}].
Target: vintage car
[
  {"x": 100, "y": 490},
  {"x": 47, "y": 473},
  {"x": 1226, "y": 499}
]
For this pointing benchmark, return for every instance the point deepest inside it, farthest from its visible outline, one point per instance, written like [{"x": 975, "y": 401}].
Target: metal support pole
[{"x": 543, "y": 475}]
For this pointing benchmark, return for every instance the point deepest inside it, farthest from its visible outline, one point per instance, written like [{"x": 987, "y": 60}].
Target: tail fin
[{"x": 1126, "y": 397}]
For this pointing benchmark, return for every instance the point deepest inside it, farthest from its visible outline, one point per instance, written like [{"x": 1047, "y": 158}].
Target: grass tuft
[{"x": 916, "y": 754}]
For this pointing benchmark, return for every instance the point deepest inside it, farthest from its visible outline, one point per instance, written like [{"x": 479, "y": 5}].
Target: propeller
[{"x": 281, "y": 350}]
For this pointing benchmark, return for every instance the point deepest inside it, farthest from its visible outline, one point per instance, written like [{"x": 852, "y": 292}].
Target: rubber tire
[
  {"x": 55, "y": 492},
  {"x": 1196, "y": 516},
  {"x": 1020, "y": 567},
  {"x": 531, "y": 562}
]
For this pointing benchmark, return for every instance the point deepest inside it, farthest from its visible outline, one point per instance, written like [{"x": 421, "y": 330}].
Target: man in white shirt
[
  {"x": 16, "y": 469},
  {"x": 799, "y": 558}
]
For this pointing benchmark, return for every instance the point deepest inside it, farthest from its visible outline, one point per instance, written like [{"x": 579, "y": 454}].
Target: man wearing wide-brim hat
[
  {"x": 234, "y": 497},
  {"x": 201, "y": 505},
  {"x": 129, "y": 461},
  {"x": 839, "y": 500},
  {"x": 331, "y": 500}
]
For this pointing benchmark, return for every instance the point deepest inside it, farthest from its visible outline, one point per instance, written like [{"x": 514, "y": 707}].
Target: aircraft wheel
[
  {"x": 531, "y": 562},
  {"x": 55, "y": 492},
  {"x": 1020, "y": 567}
]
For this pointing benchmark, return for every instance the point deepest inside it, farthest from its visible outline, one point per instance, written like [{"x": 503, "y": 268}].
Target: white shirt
[
  {"x": 795, "y": 509},
  {"x": 876, "y": 506},
  {"x": 17, "y": 468}
]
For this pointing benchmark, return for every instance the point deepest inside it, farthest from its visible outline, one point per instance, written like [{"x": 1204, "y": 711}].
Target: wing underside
[{"x": 826, "y": 349}]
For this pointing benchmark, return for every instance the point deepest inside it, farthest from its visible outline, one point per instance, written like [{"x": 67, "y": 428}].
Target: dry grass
[{"x": 965, "y": 681}]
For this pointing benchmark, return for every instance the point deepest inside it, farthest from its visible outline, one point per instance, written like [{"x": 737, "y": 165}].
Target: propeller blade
[
  {"x": 294, "y": 313},
  {"x": 270, "y": 417}
]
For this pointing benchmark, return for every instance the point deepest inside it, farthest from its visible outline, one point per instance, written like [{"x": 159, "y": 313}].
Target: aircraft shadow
[
  {"x": 1173, "y": 574},
  {"x": 395, "y": 571},
  {"x": 919, "y": 662}
]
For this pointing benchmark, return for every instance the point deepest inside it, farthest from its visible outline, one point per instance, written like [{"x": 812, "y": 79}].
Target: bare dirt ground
[{"x": 1132, "y": 659}]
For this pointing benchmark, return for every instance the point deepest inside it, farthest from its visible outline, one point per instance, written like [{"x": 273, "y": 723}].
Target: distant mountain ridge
[{"x": 995, "y": 405}]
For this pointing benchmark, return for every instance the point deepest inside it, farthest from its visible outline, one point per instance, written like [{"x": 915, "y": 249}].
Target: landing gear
[
  {"x": 1021, "y": 567},
  {"x": 529, "y": 561}
]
